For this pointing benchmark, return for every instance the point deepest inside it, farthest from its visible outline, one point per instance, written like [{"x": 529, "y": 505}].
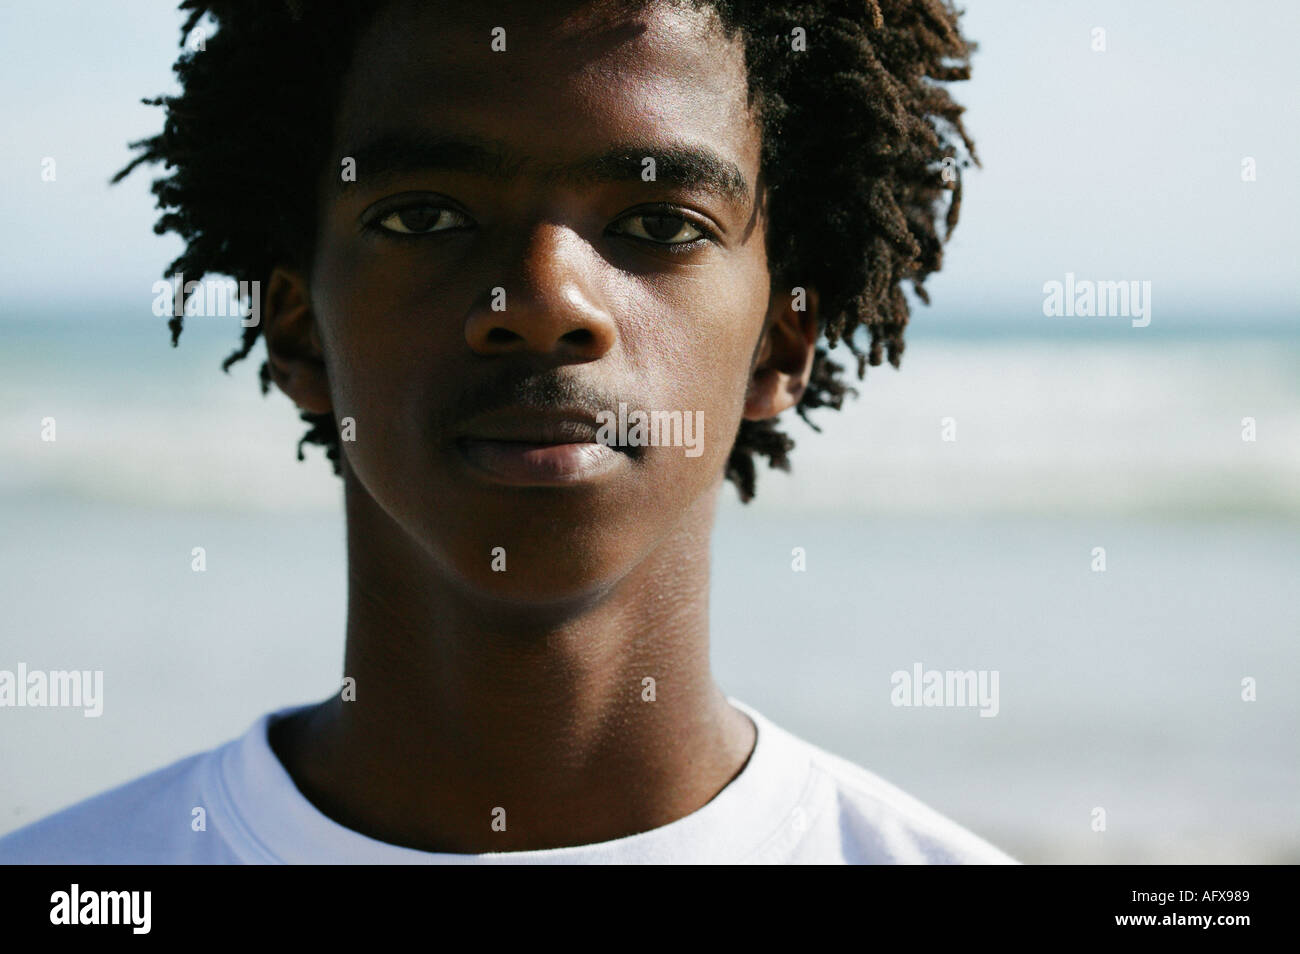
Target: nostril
[
  {"x": 578, "y": 336},
  {"x": 501, "y": 336}
]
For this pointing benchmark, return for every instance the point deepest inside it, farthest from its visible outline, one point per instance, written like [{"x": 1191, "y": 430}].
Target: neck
[{"x": 585, "y": 720}]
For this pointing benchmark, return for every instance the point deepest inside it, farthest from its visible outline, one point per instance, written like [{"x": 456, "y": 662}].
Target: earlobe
[
  {"x": 293, "y": 345},
  {"x": 785, "y": 359}
]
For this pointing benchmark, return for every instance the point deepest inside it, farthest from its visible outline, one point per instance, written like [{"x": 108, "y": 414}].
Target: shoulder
[
  {"x": 848, "y": 814},
  {"x": 148, "y": 820},
  {"x": 884, "y": 821}
]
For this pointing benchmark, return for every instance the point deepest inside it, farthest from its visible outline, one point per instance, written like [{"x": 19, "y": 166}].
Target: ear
[
  {"x": 785, "y": 357},
  {"x": 293, "y": 345}
]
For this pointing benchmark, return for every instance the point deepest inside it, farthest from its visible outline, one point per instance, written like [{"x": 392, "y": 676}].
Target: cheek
[
  {"x": 695, "y": 353},
  {"x": 382, "y": 359}
]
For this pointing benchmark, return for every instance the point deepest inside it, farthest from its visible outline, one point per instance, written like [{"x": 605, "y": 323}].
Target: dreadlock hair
[{"x": 861, "y": 148}]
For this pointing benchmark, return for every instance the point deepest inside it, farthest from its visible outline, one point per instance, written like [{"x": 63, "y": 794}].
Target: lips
[
  {"x": 524, "y": 448},
  {"x": 524, "y": 428}
]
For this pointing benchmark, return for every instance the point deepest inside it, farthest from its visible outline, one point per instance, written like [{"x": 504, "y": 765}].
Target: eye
[
  {"x": 663, "y": 228},
  {"x": 419, "y": 219}
]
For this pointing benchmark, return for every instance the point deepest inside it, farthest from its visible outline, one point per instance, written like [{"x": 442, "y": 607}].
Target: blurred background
[{"x": 1118, "y": 689}]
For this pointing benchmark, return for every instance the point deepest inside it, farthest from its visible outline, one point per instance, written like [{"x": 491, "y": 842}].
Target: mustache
[{"x": 551, "y": 390}]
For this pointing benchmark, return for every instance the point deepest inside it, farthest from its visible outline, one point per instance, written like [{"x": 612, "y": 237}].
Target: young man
[{"x": 481, "y": 228}]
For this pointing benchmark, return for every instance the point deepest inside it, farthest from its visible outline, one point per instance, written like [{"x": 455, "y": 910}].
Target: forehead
[{"x": 552, "y": 79}]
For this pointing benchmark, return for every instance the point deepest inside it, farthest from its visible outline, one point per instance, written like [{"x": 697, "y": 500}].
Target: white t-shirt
[{"x": 792, "y": 804}]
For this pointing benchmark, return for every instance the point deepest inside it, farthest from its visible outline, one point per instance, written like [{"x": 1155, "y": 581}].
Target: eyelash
[
  {"x": 670, "y": 211},
  {"x": 373, "y": 224}
]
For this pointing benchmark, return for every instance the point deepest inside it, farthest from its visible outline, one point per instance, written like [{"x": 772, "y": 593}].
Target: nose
[{"x": 548, "y": 300}]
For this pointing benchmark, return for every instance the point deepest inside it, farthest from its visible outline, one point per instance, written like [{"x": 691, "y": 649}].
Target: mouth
[
  {"x": 519, "y": 449},
  {"x": 532, "y": 464}
]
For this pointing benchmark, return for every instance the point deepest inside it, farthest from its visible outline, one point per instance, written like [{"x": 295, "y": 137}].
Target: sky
[{"x": 1118, "y": 164}]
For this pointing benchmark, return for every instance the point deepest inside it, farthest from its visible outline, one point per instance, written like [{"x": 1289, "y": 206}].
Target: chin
[{"x": 529, "y": 566}]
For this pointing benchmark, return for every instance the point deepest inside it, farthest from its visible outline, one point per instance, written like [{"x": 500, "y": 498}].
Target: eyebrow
[{"x": 685, "y": 165}]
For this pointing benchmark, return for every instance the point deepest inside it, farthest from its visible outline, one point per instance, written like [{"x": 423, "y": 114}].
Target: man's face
[{"x": 478, "y": 302}]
